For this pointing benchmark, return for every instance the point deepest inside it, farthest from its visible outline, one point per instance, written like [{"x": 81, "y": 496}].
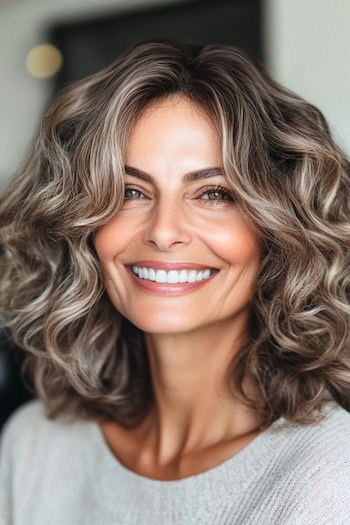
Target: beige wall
[{"x": 308, "y": 44}]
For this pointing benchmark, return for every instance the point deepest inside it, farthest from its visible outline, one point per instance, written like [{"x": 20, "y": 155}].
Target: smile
[
  {"x": 170, "y": 283},
  {"x": 172, "y": 276}
]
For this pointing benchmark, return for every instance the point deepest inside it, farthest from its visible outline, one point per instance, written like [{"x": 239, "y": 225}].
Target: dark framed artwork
[{"x": 90, "y": 44}]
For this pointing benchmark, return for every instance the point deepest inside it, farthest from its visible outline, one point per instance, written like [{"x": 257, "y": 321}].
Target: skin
[{"x": 191, "y": 338}]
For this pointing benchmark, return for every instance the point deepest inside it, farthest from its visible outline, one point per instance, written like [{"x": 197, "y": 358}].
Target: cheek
[
  {"x": 110, "y": 239},
  {"x": 236, "y": 243}
]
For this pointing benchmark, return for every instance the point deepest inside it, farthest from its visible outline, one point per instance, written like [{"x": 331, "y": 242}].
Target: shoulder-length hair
[{"x": 291, "y": 181}]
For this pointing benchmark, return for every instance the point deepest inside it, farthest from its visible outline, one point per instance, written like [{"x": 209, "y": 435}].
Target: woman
[{"x": 176, "y": 266}]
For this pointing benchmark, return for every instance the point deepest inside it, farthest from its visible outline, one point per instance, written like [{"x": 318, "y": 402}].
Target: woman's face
[{"x": 171, "y": 219}]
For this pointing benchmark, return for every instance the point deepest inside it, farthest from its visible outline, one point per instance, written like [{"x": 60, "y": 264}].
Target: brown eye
[{"x": 220, "y": 194}]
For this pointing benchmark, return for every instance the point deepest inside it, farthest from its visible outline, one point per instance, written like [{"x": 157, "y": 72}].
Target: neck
[{"x": 194, "y": 408}]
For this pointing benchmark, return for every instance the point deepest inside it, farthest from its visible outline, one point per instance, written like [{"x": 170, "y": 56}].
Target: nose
[{"x": 167, "y": 226}]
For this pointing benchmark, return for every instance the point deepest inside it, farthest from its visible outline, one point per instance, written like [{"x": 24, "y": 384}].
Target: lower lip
[{"x": 168, "y": 288}]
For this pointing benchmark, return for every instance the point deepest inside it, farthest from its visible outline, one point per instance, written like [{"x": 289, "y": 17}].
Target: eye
[
  {"x": 131, "y": 190},
  {"x": 218, "y": 191}
]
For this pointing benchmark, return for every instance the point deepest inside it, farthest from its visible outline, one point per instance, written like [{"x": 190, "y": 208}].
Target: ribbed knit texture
[{"x": 62, "y": 472}]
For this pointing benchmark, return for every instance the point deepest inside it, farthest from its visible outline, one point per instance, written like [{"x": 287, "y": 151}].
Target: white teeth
[
  {"x": 161, "y": 276},
  {"x": 151, "y": 274},
  {"x": 173, "y": 276}
]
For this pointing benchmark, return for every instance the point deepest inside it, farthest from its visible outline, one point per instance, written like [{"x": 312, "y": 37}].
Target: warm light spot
[{"x": 44, "y": 61}]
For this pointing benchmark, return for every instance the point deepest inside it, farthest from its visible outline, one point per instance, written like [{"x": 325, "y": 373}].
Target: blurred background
[{"x": 45, "y": 44}]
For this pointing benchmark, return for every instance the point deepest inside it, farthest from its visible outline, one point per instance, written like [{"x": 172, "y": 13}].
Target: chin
[{"x": 161, "y": 325}]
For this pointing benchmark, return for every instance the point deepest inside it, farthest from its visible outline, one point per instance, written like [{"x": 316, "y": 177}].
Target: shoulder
[
  {"x": 313, "y": 470},
  {"x": 27, "y": 419},
  {"x": 329, "y": 439},
  {"x": 27, "y": 413},
  {"x": 46, "y": 460},
  {"x": 321, "y": 447},
  {"x": 22, "y": 422},
  {"x": 29, "y": 429},
  {"x": 34, "y": 447}
]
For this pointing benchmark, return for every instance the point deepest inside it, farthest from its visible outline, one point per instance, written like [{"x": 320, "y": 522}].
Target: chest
[{"x": 134, "y": 454}]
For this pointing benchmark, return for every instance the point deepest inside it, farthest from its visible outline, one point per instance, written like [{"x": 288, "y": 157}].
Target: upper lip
[{"x": 164, "y": 265}]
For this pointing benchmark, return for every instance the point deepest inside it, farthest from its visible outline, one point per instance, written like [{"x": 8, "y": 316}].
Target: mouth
[
  {"x": 167, "y": 265},
  {"x": 170, "y": 282},
  {"x": 179, "y": 276}
]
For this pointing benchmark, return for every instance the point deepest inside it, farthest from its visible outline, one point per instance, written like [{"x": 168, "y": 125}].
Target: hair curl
[{"x": 292, "y": 182}]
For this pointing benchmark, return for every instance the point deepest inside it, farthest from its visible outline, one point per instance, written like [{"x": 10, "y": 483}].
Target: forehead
[
  {"x": 174, "y": 133},
  {"x": 174, "y": 110}
]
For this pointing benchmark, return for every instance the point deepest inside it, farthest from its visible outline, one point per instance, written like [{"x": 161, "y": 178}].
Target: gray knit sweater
[{"x": 63, "y": 473}]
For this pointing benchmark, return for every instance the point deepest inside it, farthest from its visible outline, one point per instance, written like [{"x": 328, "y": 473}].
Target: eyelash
[{"x": 211, "y": 189}]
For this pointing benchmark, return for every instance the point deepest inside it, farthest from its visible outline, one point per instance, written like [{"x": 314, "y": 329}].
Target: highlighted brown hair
[{"x": 291, "y": 180}]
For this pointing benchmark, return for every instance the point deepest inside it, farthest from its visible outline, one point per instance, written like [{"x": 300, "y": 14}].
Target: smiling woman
[
  {"x": 185, "y": 305},
  {"x": 175, "y": 220}
]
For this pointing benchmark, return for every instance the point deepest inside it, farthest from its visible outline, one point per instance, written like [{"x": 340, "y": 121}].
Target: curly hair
[{"x": 291, "y": 180}]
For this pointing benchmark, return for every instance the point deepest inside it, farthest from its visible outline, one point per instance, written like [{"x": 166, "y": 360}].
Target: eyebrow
[{"x": 188, "y": 177}]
